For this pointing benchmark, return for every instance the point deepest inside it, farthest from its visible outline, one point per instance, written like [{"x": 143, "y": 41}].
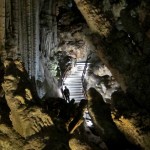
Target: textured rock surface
[
  {"x": 2, "y": 27},
  {"x": 104, "y": 124},
  {"x": 93, "y": 15},
  {"x": 34, "y": 123},
  {"x": 120, "y": 36},
  {"x": 48, "y": 66},
  {"x": 22, "y": 33},
  {"x": 99, "y": 77},
  {"x": 9, "y": 139},
  {"x": 31, "y": 33},
  {"x": 72, "y": 30},
  {"x": 76, "y": 144},
  {"x": 85, "y": 139},
  {"x": 131, "y": 120},
  {"x": 26, "y": 121},
  {"x": 125, "y": 46}
]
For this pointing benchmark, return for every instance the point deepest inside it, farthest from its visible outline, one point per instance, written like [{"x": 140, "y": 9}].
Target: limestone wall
[{"x": 2, "y": 26}]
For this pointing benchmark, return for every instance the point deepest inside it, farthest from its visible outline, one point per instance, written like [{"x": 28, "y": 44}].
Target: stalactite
[
  {"x": 24, "y": 35},
  {"x": 8, "y": 25},
  {"x": 2, "y": 28},
  {"x": 20, "y": 29},
  {"x": 26, "y": 32},
  {"x": 54, "y": 25},
  {"x": 49, "y": 29},
  {"x": 36, "y": 38},
  {"x": 29, "y": 35},
  {"x": 48, "y": 45},
  {"x": 12, "y": 22},
  {"x": 15, "y": 21}
]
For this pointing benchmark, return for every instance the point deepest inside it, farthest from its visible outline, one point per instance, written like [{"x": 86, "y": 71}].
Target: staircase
[{"x": 74, "y": 82}]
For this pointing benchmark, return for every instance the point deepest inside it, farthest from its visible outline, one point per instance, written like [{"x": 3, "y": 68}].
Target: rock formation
[
  {"x": 110, "y": 44},
  {"x": 120, "y": 36},
  {"x": 104, "y": 124},
  {"x": 26, "y": 121},
  {"x": 40, "y": 40},
  {"x": 31, "y": 119}
]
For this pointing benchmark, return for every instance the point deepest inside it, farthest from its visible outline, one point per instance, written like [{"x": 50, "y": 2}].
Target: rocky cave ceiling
[{"x": 40, "y": 39}]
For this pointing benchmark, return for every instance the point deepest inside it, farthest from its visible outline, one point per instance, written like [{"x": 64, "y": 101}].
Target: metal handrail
[
  {"x": 83, "y": 74},
  {"x": 82, "y": 77}
]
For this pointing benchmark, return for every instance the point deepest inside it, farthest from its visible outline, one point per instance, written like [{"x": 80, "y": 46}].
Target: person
[{"x": 67, "y": 94}]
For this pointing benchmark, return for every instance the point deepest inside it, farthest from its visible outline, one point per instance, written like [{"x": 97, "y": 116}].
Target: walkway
[{"x": 74, "y": 82}]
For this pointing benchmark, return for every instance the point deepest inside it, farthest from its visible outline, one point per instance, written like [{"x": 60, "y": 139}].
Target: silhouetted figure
[
  {"x": 67, "y": 94},
  {"x": 62, "y": 92}
]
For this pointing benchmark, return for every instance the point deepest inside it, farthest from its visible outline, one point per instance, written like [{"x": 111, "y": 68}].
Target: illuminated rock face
[
  {"x": 104, "y": 124},
  {"x": 119, "y": 35},
  {"x": 26, "y": 121},
  {"x": 31, "y": 35},
  {"x": 22, "y": 33},
  {"x": 121, "y": 49},
  {"x": 30, "y": 119},
  {"x": 122, "y": 43},
  {"x": 93, "y": 15}
]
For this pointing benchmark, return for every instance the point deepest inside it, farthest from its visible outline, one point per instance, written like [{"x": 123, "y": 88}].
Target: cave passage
[{"x": 45, "y": 45}]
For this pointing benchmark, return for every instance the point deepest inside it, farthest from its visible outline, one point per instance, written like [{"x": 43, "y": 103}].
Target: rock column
[{"x": 2, "y": 27}]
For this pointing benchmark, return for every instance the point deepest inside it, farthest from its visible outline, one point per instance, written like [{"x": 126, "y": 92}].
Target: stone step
[
  {"x": 75, "y": 75},
  {"x": 74, "y": 88},
  {"x": 78, "y": 93},
  {"x": 73, "y": 80},
  {"x": 77, "y": 86},
  {"x": 82, "y": 63},
  {"x": 73, "y": 83},
  {"x": 74, "y": 92},
  {"x": 76, "y": 96}
]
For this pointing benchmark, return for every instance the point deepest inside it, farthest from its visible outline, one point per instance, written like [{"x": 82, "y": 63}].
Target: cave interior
[{"x": 99, "y": 49}]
